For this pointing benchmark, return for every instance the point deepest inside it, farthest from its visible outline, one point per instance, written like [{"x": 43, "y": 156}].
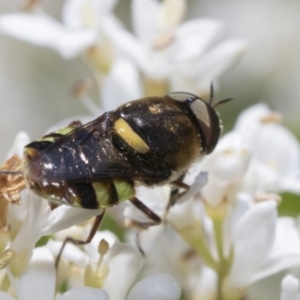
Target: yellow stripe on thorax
[{"x": 124, "y": 130}]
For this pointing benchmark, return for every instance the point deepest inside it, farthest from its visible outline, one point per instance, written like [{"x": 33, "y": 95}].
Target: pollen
[{"x": 273, "y": 117}]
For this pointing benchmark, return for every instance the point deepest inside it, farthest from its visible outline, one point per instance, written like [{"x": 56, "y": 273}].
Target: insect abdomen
[
  {"x": 90, "y": 195},
  {"x": 100, "y": 194},
  {"x": 111, "y": 193}
]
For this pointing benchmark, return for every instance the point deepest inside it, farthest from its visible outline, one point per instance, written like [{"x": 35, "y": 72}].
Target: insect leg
[
  {"x": 156, "y": 220},
  {"x": 93, "y": 231},
  {"x": 175, "y": 194}
]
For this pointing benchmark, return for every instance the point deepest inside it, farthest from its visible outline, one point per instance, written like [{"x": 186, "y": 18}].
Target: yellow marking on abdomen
[
  {"x": 124, "y": 189},
  {"x": 124, "y": 130}
]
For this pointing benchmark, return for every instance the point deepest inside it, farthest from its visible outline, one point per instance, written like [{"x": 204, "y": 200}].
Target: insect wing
[{"x": 88, "y": 154}]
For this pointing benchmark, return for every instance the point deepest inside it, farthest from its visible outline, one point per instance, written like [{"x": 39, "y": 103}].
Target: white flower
[
  {"x": 92, "y": 14},
  {"x": 121, "y": 85},
  {"x": 262, "y": 246},
  {"x": 38, "y": 281},
  {"x": 176, "y": 52},
  {"x": 125, "y": 263},
  {"x": 83, "y": 25},
  {"x": 226, "y": 167},
  {"x": 275, "y": 164},
  {"x": 156, "y": 61},
  {"x": 150, "y": 48},
  {"x": 41, "y": 30},
  {"x": 41, "y": 221},
  {"x": 116, "y": 270},
  {"x": 254, "y": 245},
  {"x": 195, "y": 74}
]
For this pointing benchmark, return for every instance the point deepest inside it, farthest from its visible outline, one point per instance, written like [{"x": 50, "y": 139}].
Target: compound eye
[
  {"x": 209, "y": 123},
  {"x": 207, "y": 117},
  {"x": 182, "y": 97}
]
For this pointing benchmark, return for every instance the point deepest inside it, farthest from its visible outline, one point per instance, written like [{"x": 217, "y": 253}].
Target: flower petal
[
  {"x": 5, "y": 296},
  {"x": 276, "y": 152},
  {"x": 248, "y": 121},
  {"x": 144, "y": 19},
  {"x": 30, "y": 230},
  {"x": 206, "y": 287},
  {"x": 121, "y": 85},
  {"x": 21, "y": 140},
  {"x": 70, "y": 44},
  {"x": 43, "y": 31},
  {"x": 285, "y": 252},
  {"x": 217, "y": 61},
  {"x": 38, "y": 281},
  {"x": 158, "y": 286},
  {"x": 253, "y": 237},
  {"x": 290, "y": 184},
  {"x": 276, "y": 147},
  {"x": 124, "y": 262},
  {"x": 243, "y": 203},
  {"x": 289, "y": 288},
  {"x": 226, "y": 167},
  {"x": 130, "y": 46},
  {"x": 260, "y": 178},
  {"x": 71, "y": 252},
  {"x": 86, "y": 293},
  {"x": 80, "y": 14},
  {"x": 171, "y": 14},
  {"x": 65, "y": 216},
  {"x": 198, "y": 34},
  {"x": 199, "y": 182}
]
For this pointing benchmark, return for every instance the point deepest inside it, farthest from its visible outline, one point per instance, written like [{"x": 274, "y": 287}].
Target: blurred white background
[{"x": 35, "y": 82}]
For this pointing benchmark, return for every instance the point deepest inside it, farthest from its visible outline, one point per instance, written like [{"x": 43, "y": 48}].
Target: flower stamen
[
  {"x": 95, "y": 276},
  {"x": 7, "y": 257},
  {"x": 272, "y": 117}
]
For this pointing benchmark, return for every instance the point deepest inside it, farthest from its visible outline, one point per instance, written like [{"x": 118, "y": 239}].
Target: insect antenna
[
  {"x": 211, "y": 98},
  {"x": 222, "y": 102},
  {"x": 6, "y": 172}
]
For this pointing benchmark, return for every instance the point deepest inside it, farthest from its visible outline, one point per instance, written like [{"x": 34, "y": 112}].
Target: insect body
[{"x": 151, "y": 141}]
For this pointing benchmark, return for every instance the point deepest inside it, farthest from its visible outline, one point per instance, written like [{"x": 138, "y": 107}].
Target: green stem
[
  {"x": 194, "y": 236},
  {"x": 219, "y": 286},
  {"x": 205, "y": 253},
  {"x": 218, "y": 228},
  {"x": 224, "y": 263}
]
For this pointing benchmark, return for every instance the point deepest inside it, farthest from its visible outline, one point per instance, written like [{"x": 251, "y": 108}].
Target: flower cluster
[
  {"x": 221, "y": 239},
  {"x": 230, "y": 228}
]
